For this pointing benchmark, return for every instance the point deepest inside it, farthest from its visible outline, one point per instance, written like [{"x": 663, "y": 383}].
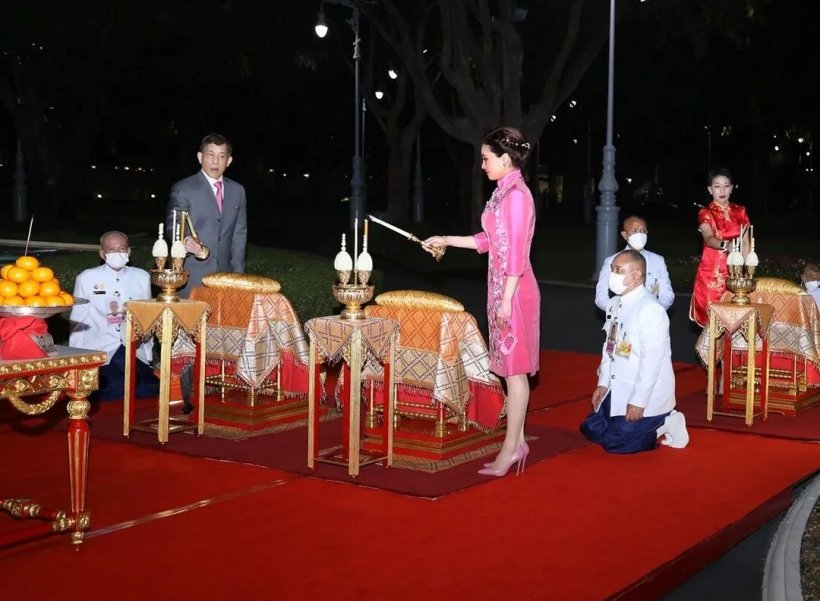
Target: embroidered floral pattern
[{"x": 496, "y": 276}]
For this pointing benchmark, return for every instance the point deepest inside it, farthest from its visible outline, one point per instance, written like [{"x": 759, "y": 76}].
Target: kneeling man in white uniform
[
  {"x": 100, "y": 324},
  {"x": 634, "y": 403}
]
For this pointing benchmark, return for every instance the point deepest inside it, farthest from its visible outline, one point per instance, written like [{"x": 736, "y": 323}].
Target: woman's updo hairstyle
[
  {"x": 720, "y": 172},
  {"x": 511, "y": 141}
]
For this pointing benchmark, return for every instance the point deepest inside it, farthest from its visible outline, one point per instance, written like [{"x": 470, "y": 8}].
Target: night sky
[{"x": 142, "y": 82}]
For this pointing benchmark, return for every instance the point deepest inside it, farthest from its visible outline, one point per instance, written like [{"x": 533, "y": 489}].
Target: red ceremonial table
[{"x": 33, "y": 386}]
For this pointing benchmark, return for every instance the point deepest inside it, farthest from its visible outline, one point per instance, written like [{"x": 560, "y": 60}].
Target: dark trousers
[
  {"x": 112, "y": 380},
  {"x": 617, "y": 435}
]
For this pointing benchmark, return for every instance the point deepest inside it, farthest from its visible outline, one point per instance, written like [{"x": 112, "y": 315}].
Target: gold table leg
[{"x": 710, "y": 371}]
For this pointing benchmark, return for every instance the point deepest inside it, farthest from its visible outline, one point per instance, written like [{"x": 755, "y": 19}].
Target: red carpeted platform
[
  {"x": 804, "y": 426},
  {"x": 287, "y": 451},
  {"x": 581, "y": 525}
]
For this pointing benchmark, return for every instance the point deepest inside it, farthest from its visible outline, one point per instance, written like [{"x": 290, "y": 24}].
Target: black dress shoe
[{"x": 187, "y": 408}]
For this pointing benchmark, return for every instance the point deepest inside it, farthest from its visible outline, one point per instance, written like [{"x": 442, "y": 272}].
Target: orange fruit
[
  {"x": 47, "y": 289},
  {"x": 28, "y": 288},
  {"x": 35, "y": 301},
  {"x": 17, "y": 274},
  {"x": 69, "y": 300},
  {"x": 7, "y": 289},
  {"x": 5, "y": 269},
  {"x": 14, "y": 301},
  {"x": 26, "y": 262},
  {"x": 42, "y": 274},
  {"x": 54, "y": 301}
]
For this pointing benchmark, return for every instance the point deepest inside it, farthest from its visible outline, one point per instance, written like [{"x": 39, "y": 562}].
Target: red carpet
[
  {"x": 288, "y": 451},
  {"x": 582, "y": 525},
  {"x": 805, "y": 426}
]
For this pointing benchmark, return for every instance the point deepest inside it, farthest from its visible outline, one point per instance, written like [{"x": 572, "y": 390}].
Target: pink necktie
[{"x": 219, "y": 196}]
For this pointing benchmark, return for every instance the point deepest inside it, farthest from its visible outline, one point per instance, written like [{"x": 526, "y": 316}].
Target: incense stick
[{"x": 28, "y": 238}]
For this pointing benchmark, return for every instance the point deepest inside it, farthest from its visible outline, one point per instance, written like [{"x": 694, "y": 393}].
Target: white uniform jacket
[
  {"x": 636, "y": 363},
  {"x": 816, "y": 295},
  {"x": 657, "y": 280},
  {"x": 100, "y": 324}
]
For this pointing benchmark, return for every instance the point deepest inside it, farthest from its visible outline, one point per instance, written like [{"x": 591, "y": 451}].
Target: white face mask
[
  {"x": 116, "y": 261},
  {"x": 616, "y": 282},
  {"x": 812, "y": 286},
  {"x": 637, "y": 241}
]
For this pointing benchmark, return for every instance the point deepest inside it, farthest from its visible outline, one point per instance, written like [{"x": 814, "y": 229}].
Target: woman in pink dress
[
  {"x": 719, "y": 223},
  {"x": 513, "y": 297}
]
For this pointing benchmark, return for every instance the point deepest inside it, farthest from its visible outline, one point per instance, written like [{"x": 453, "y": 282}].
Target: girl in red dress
[{"x": 719, "y": 223}]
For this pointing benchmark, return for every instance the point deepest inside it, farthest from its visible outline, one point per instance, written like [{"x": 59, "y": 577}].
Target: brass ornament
[
  {"x": 352, "y": 297},
  {"x": 740, "y": 283},
  {"x": 169, "y": 281}
]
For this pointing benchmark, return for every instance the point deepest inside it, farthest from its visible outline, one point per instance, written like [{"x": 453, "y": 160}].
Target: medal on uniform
[{"x": 623, "y": 348}]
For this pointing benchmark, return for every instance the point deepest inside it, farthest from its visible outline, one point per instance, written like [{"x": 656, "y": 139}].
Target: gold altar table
[
  {"x": 356, "y": 342},
  {"x": 165, "y": 321},
  {"x": 793, "y": 350},
  {"x": 256, "y": 356},
  {"x": 725, "y": 319},
  {"x": 75, "y": 372}
]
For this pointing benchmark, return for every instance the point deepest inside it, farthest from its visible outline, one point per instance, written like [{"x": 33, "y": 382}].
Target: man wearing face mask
[
  {"x": 100, "y": 324},
  {"x": 634, "y": 403},
  {"x": 811, "y": 281},
  {"x": 657, "y": 276}
]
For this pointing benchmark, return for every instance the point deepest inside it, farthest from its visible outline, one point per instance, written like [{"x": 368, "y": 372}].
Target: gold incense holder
[
  {"x": 352, "y": 297},
  {"x": 741, "y": 282},
  {"x": 168, "y": 281}
]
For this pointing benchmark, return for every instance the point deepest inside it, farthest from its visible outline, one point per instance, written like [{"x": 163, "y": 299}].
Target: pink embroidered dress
[{"x": 508, "y": 225}]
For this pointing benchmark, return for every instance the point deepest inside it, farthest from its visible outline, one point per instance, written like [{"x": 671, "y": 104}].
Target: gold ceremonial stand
[
  {"x": 725, "y": 319},
  {"x": 75, "y": 372},
  {"x": 350, "y": 339},
  {"x": 164, "y": 320}
]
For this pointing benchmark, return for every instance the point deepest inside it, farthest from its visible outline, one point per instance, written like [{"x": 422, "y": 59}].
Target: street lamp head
[
  {"x": 379, "y": 94},
  {"x": 321, "y": 27},
  {"x": 391, "y": 73}
]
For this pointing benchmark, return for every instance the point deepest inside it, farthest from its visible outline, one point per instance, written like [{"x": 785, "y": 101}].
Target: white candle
[
  {"x": 343, "y": 242},
  {"x": 752, "y": 236},
  {"x": 174, "y": 225},
  {"x": 364, "y": 240},
  {"x": 355, "y": 242}
]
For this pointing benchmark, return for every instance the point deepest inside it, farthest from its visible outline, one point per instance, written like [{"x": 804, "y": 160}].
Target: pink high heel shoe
[
  {"x": 523, "y": 446},
  {"x": 519, "y": 457}
]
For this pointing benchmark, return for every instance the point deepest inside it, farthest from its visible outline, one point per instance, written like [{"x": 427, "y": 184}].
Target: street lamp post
[
  {"x": 607, "y": 228},
  {"x": 358, "y": 190}
]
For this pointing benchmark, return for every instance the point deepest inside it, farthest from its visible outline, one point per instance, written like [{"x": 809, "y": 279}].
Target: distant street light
[
  {"x": 358, "y": 206},
  {"x": 391, "y": 73},
  {"x": 608, "y": 210},
  {"x": 378, "y": 94}
]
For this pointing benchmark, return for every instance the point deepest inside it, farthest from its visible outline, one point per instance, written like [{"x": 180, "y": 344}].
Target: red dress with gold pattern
[{"x": 710, "y": 280}]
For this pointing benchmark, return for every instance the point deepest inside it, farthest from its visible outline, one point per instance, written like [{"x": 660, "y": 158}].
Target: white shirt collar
[
  {"x": 212, "y": 180},
  {"x": 633, "y": 295}
]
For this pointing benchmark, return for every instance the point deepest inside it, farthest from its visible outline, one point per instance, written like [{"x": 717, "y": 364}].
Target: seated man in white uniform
[
  {"x": 100, "y": 324},
  {"x": 635, "y": 233},
  {"x": 811, "y": 281},
  {"x": 634, "y": 403}
]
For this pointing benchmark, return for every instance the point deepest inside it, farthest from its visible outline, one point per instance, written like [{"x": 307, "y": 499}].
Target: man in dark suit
[{"x": 217, "y": 208}]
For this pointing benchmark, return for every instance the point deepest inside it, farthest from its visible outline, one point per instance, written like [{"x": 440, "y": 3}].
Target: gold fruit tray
[{"x": 41, "y": 312}]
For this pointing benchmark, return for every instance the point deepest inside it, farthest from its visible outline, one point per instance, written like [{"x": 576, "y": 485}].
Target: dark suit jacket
[{"x": 226, "y": 233}]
